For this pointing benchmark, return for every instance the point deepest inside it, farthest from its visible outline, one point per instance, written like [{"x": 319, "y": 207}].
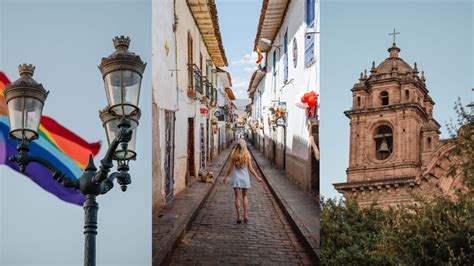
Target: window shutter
[
  {"x": 309, "y": 38},
  {"x": 285, "y": 57}
]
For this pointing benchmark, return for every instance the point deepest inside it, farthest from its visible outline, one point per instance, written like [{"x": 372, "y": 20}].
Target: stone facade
[{"x": 395, "y": 152}]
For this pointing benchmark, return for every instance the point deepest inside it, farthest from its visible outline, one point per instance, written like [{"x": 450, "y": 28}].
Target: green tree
[
  {"x": 351, "y": 235},
  {"x": 439, "y": 232},
  {"x": 462, "y": 133}
]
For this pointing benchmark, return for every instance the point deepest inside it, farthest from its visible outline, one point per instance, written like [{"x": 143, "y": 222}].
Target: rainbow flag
[
  {"x": 259, "y": 59},
  {"x": 65, "y": 150}
]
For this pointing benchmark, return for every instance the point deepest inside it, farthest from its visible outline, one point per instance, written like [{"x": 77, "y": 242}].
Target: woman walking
[{"x": 239, "y": 168}]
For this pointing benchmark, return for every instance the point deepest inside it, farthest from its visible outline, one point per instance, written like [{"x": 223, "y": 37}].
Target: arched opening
[
  {"x": 358, "y": 101},
  {"x": 407, "y": 94},
  {"x": 428, "y": 143},
  {"x": 383, "y": 142},
  {"x": 384, "y": 97}
]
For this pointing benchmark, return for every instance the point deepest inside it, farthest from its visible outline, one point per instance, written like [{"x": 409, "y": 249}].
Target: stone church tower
[{"x": 395, "y": 151}]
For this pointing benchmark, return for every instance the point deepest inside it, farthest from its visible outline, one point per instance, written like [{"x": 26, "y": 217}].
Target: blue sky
[
  {"x": 238, "y": 22},
  {"x": 435, "y": 34},
  {"x": 66, "y": 41}
]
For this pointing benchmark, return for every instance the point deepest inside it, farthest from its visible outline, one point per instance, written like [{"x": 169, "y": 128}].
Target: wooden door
[{"x": 190, "y": 164}]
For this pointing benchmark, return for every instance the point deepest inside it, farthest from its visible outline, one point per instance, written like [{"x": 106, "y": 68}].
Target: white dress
[{"x": 240, "y": 177}]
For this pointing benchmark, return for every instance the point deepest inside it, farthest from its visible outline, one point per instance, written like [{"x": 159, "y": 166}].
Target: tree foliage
[
  {"x": 462, "y": 133},
  {"x": 436, "y": 233}
]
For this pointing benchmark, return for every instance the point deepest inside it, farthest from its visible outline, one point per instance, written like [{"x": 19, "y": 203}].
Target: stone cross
[{"x": 394, "y": 34}]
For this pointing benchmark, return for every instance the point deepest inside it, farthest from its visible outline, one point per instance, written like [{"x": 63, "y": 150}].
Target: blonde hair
[{"x": 240, "y": 155}]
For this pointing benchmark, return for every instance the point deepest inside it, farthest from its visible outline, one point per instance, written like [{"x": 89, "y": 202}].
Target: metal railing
[
  {"x": 205, "y": 86},
  {"x": 194, "y": 78}
]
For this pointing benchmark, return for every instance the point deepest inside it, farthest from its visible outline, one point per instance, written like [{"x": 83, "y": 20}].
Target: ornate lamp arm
[
  {"x": 23, "y": 159},
  {"x": 123, "y": 178},
  {"x": 124, "y": 136}
]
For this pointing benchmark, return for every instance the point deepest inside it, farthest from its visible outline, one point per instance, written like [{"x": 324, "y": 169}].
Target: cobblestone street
[{"x": 215, "y": 238}]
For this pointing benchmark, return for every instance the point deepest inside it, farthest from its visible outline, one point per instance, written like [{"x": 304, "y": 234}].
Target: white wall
[
  {"x": 187, "y": 107},
  {"x": 164, "y": 55},
  {"x": 300, "y": 78}
]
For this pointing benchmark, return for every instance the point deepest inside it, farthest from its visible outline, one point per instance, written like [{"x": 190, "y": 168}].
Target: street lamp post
[{"x": 122, "y": 72}]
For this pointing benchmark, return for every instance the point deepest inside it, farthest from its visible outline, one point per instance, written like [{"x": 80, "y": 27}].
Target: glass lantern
[
  {"x": 25, "y": 100},
  {"x": 111, "y": 123},
  {"x": 122, "y": 72}
]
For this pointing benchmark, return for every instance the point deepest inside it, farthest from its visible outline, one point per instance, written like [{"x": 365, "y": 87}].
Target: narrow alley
[
  {"x": 262, "y": 86},
  {"x": 215, "y": 237},
  {"x": 207, "y": 233}
]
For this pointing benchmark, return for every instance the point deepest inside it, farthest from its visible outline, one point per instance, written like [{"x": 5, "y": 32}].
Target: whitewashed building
[
  {"x": 290, "y": 42},
  {"x": 187, "y": 52}
]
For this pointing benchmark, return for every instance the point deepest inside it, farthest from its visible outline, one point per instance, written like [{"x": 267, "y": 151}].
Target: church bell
[{"x": 384, "y": 147}]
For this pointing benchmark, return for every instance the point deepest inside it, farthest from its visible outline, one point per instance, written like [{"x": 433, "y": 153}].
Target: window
[
  {"x": 383, "y": 142},
  {"x": 200, "y": 62},
  {"x": 384, "y": 98},
  {"x": 285, "y": 56},
  {"x": 274, "y": 69},
  {"x": 190, "y": 63},
  {"x": 358, "y": 101},
  {"x": 407, "y": 94},
  {"x": 190, "y": 48},
  {"x": 274, "y": 62},
  {"x": 428, "y": 142},
  {"x": 309, "y": 38},
  {"x": 295, "y": 52}
]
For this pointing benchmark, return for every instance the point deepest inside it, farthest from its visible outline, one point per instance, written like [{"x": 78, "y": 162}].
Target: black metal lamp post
[{"x": 122, "y": 72}]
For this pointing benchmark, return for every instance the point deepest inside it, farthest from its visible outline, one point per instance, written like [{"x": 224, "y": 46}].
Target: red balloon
[
  {"x": 312, "y": 101},
  {"x": 312, "y": 93},
  {"x": 304, "y": 99}
]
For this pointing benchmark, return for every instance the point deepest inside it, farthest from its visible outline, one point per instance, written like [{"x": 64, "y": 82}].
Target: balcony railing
[
  {"x": 205, "y": 86},
  {"x": 194, "y": 78},
  {"x": 214, "y": 96}
]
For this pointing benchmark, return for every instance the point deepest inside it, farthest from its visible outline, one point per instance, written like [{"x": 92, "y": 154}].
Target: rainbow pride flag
[
  {"x": 259, "y": 59},
  {"x": 64, "y": 149}
]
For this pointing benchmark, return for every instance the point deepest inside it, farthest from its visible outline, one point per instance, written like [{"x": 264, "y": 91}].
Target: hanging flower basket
[{"x": 192, "y": 93}]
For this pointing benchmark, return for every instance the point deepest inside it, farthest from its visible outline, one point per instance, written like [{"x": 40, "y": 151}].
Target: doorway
[
  {"x": 190, "y": 166},
  {"x": 209, "y": 141},
  {"x": 169, "y": 155}
]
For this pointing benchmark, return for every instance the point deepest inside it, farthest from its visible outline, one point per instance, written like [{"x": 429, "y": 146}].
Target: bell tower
[{"x": 392, "y": 132}]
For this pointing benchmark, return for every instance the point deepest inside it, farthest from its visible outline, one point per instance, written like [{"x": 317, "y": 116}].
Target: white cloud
[
  {"x": 240, "y": 87},
  {"x": 240, "y": 94},
  {"x": 250, "y": 69},
  {"x": 248, "y": 60}
]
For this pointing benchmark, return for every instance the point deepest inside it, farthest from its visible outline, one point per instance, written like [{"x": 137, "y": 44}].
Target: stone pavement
[
  {"x": 300, "y": 207},
  {"x": 170, "y": 224},
  {"x": 215, "y": 238}
]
